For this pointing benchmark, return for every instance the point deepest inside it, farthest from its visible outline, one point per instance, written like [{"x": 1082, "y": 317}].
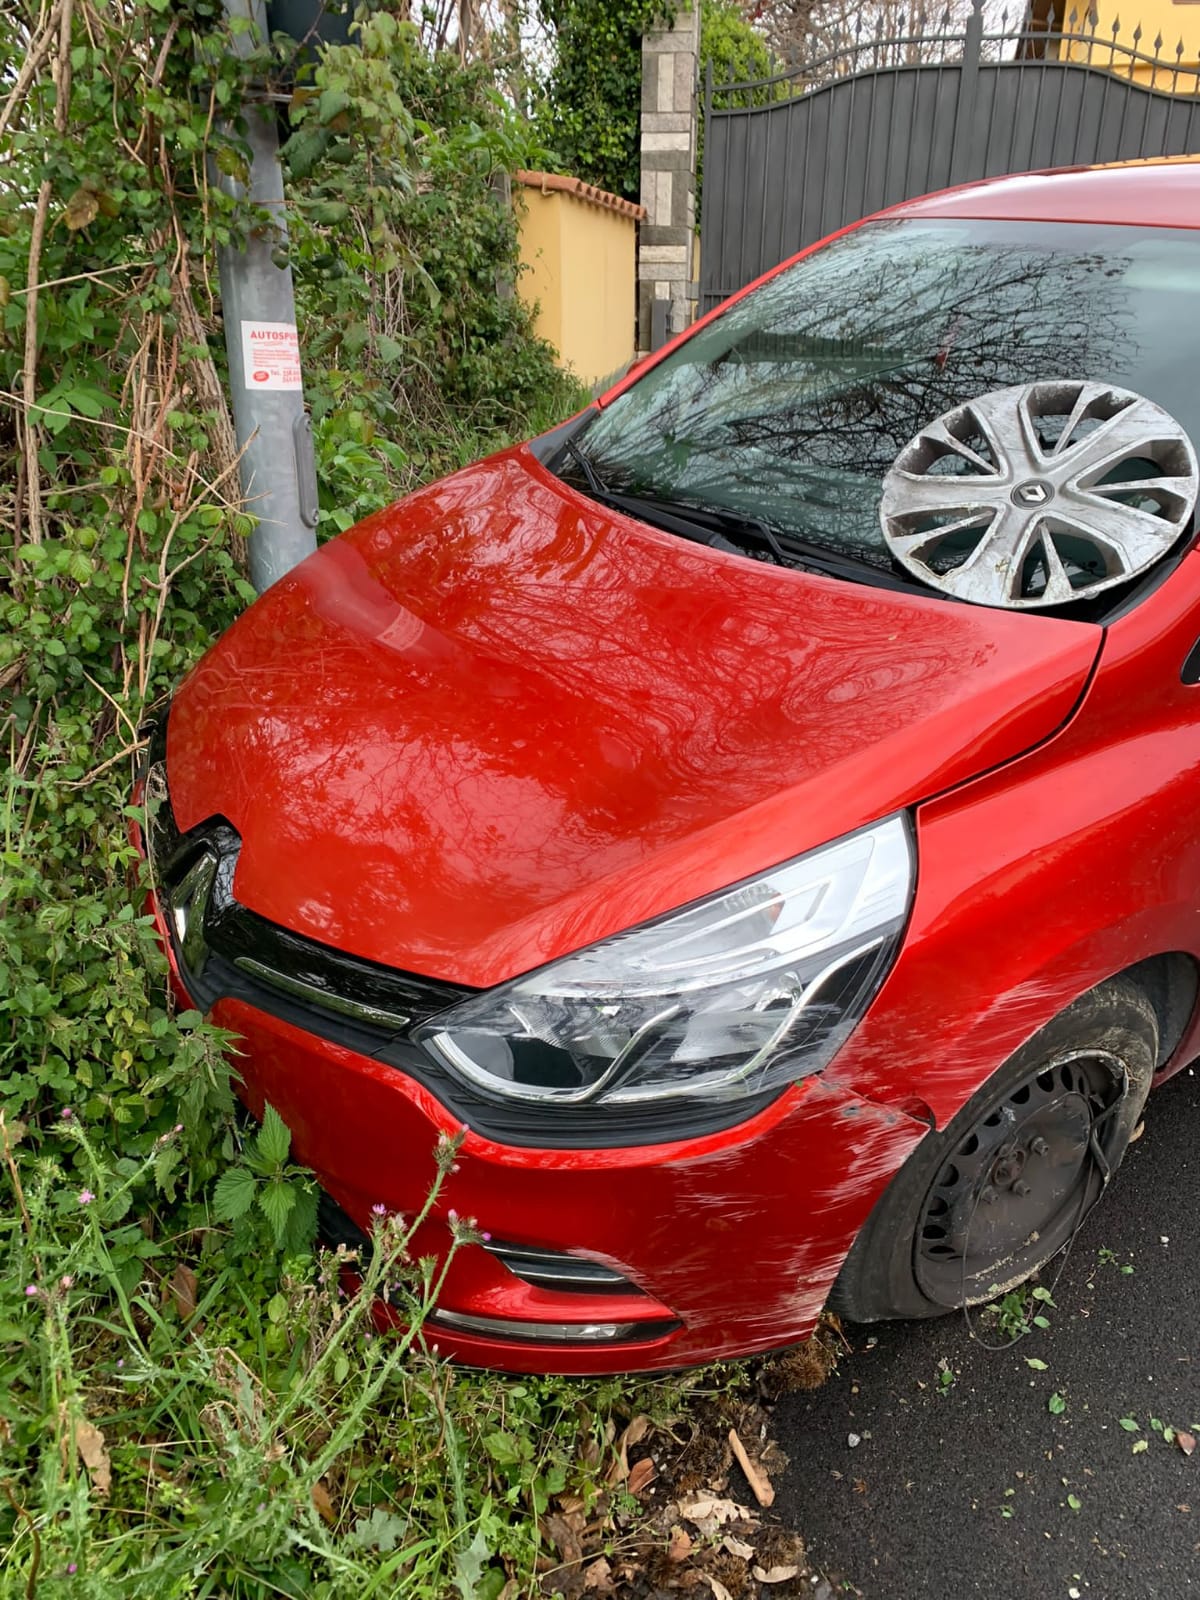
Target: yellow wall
[
  {"x": 1174, "y": 21},
  {"x": 582, "y": 263}
]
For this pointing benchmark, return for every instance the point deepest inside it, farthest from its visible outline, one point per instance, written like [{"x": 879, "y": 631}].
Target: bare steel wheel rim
[
  {"x": 1040, "y": 494},
  {"x": 1021, "y": 1179}
]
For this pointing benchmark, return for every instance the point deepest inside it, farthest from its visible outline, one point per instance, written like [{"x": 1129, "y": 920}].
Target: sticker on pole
[{"x": 271, "y": 355}]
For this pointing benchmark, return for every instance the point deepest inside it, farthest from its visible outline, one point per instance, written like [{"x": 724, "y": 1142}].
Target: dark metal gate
[{"x": 791, "y": 158}]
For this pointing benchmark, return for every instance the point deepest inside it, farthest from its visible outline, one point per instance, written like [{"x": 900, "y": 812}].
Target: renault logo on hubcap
[{"x": 1033, "y": 493}]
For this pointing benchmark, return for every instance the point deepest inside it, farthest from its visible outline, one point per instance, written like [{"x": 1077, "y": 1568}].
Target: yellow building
[{"x": 579, "y": 244}]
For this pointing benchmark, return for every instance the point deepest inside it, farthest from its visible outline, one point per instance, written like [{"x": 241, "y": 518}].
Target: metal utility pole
[{"x": 273, "y": 429}]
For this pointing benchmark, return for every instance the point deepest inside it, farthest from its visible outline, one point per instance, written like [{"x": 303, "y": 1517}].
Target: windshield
[{"x": 791, "y": 406}]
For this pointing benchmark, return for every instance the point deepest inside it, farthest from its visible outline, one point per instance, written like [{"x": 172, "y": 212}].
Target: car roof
[{"x": 1162, "y": 193}]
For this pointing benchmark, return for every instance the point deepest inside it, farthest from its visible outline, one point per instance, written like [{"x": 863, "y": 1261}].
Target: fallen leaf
[
  {"x": 565, "y": 1533},
  {"x": 860, "y": 1486},
  {"x": 599, "y": 1576},
  {"x": 737, "y": 1547},
  {"x": 89, "y": 1441},
  {"x": 1185, "y": 1441},
  {"x": 775, "y": 1574},
  {"x": 709, "y": 1511},
  {"x": 718, "y": 1588},
  {"x": 322, "y": 1502},
  {"x": 183, "y": 1288},
  {"x": 640, "y": 1475},
  {"x": 634, "y": 1433},
  {"x": 679, "y": 1547}
]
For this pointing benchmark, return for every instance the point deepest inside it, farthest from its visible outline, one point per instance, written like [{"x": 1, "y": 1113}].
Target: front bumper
[
  {"x": 722, "y": 1244},
  {"x": 731, "y": 1242}
]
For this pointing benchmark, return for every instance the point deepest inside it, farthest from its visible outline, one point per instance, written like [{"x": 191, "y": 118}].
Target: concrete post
[
  {"x": 273, "y": 431},
  {"x": 666, "y": 289}
]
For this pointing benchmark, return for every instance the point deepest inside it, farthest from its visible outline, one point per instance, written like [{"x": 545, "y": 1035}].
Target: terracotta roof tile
[{"x": 549, "y": 181}]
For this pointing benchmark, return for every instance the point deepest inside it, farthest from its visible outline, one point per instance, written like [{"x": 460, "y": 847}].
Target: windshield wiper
[
  {"x": 739, "y": 532},
  {"x": 661, "y": 514}
]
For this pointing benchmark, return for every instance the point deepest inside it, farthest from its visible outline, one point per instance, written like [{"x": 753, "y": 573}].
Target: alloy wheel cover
[{"x": 1040, "y": 494}]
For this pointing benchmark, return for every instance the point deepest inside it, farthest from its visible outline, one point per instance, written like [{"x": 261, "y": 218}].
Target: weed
[{"x": 1020, "y": 1311}]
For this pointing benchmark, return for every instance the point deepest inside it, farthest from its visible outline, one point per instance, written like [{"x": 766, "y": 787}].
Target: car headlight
[{"x": 735, "y": 995}]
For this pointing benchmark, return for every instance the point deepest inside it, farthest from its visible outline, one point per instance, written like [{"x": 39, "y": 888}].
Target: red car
[{"x": 761, "y": 812}]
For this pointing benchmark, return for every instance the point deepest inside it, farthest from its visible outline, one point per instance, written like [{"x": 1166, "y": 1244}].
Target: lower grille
[{"x": 559, "y": 1272}]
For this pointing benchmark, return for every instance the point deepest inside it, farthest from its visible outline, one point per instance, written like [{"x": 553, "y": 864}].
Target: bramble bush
[{"x": 187, "y": 1404}]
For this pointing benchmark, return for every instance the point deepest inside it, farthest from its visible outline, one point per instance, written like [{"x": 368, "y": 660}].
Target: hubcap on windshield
[{"x": 1040, "y": 494}]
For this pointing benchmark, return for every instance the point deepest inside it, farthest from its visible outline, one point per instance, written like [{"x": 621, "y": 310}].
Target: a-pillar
[{"x": 666, "y": 290}]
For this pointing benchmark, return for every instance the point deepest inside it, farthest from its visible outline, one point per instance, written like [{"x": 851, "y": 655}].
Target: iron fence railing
[{"x": 877, "y": 117}]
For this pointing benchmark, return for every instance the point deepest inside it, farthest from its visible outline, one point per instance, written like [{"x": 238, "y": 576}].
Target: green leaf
[
  {"x": 274, "y": 1139},
  {"x": 304, "y": 149},
  {"x": 1074, "y": 1502},
  {"x": 469, "y": 1564},
  {"x": 382, "y": 1531},
  {"x": 1130, "y": 1424},
  {"x": 89, "y": 402},
  {"x": 234, "y": 1194},
  {"x": 276, "y": 1201},
  {"x": 1032, "y": 1361},
  {"x": 502, "y": 1447},
  {"x": 1056, "y": 1405},
  {"x": 302, "y": 1224},
  {"x": 331, "y": 104},
  {"x": 1139, "y": 1445}
]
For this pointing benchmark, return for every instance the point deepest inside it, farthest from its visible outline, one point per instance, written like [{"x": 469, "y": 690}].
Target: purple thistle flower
[
  {"x": 31, "y": 1288},
  {"x": 486, "y": 1237},
  {"x": 66, "y": 1113},
  {"x": 71, "y": 1566},
  {"x": 378, "y": 1210},
  {"x": 86, "y": 1197}
]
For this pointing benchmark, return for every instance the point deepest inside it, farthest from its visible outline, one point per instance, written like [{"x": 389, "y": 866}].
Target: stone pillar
[{"x": 666, "y": 289}]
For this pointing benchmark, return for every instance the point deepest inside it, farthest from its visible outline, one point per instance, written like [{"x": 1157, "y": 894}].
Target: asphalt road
[{"x": 961, "y": 1488}]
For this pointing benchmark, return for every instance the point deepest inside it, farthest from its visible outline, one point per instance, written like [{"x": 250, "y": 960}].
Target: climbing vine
[{"x": 591, "y": 109}]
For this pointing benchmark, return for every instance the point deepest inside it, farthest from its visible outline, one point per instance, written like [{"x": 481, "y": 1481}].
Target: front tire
[{"x": 983, "y": 1204}]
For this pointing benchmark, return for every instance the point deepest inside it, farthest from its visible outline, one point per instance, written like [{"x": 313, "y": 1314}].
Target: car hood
[{"x": 498, "y": 721}]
